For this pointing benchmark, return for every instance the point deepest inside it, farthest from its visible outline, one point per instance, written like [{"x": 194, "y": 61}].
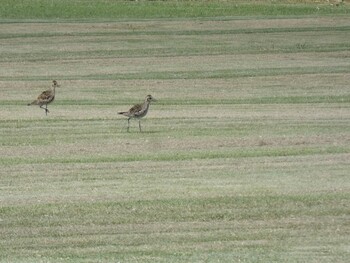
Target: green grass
[
  {"x": 180, "y": 156},
  {"x": 88, "y": 9},
  {"x": 134, "y": 225},
  {"x": 244, "y": 158},
  {"x": 176, "y": 210}
]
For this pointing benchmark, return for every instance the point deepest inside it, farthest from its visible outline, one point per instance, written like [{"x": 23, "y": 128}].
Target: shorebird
[
  {"x": 138, "y": 111},
  {"x": 46, "y": 97}
]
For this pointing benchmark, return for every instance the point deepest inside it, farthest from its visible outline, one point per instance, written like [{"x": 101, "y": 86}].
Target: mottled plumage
[
  {"x": 46, "y": 97},
  {"x": 138, "y": 111}
]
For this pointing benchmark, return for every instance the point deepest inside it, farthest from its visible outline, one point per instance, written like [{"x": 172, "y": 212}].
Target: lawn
[{"x": 243, "y": 158}]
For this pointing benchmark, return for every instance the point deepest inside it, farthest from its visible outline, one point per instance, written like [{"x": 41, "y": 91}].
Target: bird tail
[
  {"x": 32, "y": 103},
  {"x": 122, "y": 112}
]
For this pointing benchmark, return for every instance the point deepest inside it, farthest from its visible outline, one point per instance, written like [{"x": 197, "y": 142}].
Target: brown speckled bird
[
  {"x": 138, "y": 111},
  {"x": 46, "y": 97}
]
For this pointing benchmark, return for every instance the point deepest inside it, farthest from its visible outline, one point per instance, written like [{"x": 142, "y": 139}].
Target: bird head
[
  {"x": 149, "y": 98},
  {"x": 55, "y": 84}
]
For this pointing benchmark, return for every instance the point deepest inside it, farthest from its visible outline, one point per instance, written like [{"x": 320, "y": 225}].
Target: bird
[
  {"x": 46, "y": 97},
  {"x": 138, "y": 111}
]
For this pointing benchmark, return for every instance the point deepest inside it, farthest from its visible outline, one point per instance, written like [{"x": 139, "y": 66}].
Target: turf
[
  {"x": 244, "y": 158},
  {"x": 145, "y": 9}
]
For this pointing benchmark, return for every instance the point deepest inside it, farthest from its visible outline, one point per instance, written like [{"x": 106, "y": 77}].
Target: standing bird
[
  {"x": 138, "y": 111},
  {"x": 46, "y": 97}
]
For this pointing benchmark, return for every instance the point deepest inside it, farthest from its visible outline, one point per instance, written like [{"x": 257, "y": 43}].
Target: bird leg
[
  {"x": 46, "y": 109},
  {"x": 140, "y": 125},
  {"x": 128, "y": 125}
]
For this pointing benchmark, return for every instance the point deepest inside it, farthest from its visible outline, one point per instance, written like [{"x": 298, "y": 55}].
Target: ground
[{"x": 244, "y": 158}]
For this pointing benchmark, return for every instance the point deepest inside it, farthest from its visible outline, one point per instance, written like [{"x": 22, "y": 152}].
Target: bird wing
[
  {"x": 135, "y": 109},
  {"x": 45, "y": 95}
]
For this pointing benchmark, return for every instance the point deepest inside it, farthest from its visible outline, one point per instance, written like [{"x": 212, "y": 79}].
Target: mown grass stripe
[
  {"x": 203, "y": 74},
  {"x": 225, "y": 73},
  {"x": 227, "y": 208},
  {"x": 182, "y": 156},
  {"x": 195, "y": 101},
  {"x": 177, "y": 32},
  {"x": 168, "y": 52},
  {"x": 87, "y": 10}
]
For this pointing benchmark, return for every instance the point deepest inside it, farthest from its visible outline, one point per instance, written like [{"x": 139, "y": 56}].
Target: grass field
[
  {"x": 244, "y": 158},
  {"x": 141, "y": 9}
]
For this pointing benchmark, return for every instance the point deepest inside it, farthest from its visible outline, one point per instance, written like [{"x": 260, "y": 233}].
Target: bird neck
[{"x": 146, "y": 104}]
